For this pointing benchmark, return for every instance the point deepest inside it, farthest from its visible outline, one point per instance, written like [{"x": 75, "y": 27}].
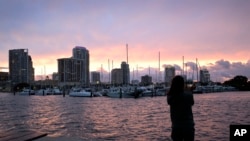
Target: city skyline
[{"x": 215, "y": 32}]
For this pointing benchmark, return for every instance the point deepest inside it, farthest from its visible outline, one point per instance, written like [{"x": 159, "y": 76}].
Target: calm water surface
[{"x": 102, "y": 118}]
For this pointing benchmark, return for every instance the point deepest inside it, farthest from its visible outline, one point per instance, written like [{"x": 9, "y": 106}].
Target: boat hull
[{"x": 80, "y": 94}]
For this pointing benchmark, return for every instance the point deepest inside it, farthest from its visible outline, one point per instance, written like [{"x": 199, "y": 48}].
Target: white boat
[
  {"x": 79, "y": 93},
  {"x": 197, "y": 91},
  {"x": 44, "y": 92},
  {"x": 162, "y": 91},
  {"x": 144, "y": 91},
  {"x": 150, "y": 91},
  {"x": 27, "y": 92},
  {"x": 56, "y": 91},
  {"x": 114, "y": 92},
  {"x": 41, "y": 92},
  {"x": 118, "y": 92},
  {"x": 97, "y": 94}
]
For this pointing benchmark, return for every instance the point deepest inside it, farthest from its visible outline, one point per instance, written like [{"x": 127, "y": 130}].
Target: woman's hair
[{"x": 177, "y": 86}]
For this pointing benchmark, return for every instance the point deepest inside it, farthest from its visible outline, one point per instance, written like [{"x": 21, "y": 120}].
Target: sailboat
[{"x": 79, "y": 92}]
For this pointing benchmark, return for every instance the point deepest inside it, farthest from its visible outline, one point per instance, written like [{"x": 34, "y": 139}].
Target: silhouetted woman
[{"x": 181, "y": 114}]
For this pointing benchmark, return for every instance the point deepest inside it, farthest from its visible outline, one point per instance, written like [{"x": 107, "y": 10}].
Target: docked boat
[
  {"x": 145, "y": 91},
  {"x": 118, "y": 92},
  {"x": 198, "y": 90},
  {"x": 79, "y": 93},
  {"x": 97, "y": 94},
  {"x": 27, "y": 92},
  {"x": 56, "y": 91},
  {"x": 49, "y": 91},
  {"x": 114, "y": 92},
  {"x": 162, "y": 91},
  {"x": 46, "y": 91}
]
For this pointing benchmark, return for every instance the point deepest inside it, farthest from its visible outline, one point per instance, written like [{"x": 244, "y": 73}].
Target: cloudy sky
[{"x": 217, "y": 32}]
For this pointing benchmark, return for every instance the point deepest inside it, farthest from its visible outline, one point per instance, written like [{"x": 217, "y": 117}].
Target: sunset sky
[{"x": 217, "y": 32}]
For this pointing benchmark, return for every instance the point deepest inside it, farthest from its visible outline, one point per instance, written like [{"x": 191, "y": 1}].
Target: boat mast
[
  {"x": 101, "y": 74},
  {"x": 197, "y": 68},
  {"x": 137, "y": 76},
  {"x": 183, "y": 66},
  {"x": 109, "y": 70},
  {"x": 193, "y": 74},
  {"x": 159, "y": 67},
  {"x": 127, "y": 73}
]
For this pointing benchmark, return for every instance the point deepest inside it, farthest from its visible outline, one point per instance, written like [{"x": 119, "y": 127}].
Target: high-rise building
[
  {"x": 95, "y": 77},
  {"x": 169, "y": 74},
  {"x": 74, "y": 70},
  {"x": 20, "y": 66},
  {"x": 80, "y": 53},
  {"x": 117, "y": 76},
  {"x": 121, "y": 75},
  {"x": 204, "y": 76},
  {"x": 146, "y": 80},
  {"x": 125, "y": 72},
  {"x": 55, "y": 76}
]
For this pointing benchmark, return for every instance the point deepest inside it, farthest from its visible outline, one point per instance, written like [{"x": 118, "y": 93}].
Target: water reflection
[{"x": 119, "y": 119}]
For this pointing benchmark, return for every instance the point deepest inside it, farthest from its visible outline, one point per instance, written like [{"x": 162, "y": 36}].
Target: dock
[{"x": 22, "y": 135}]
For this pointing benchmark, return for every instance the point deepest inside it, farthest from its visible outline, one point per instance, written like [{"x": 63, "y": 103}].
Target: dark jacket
[{"x": 181, "y": 109}]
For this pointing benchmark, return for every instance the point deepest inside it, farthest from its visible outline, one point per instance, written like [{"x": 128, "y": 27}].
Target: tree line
[{"x": 239, "y": 82}]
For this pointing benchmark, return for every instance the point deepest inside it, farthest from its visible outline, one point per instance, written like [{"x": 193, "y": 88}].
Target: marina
[
  {"x": 122, "y": 91},
  {"x": 87, "y": 70},
  {"x": 104, "y": 118}
]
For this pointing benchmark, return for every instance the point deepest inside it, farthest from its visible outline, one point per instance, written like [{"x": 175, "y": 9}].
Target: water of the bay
[{"x": 103, "y": 118}]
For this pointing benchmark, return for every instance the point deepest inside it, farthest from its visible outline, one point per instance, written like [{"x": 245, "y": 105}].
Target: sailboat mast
[
  {"x": 197, "y": 70},
  {"x": 109, "y": 70},
  {"x": 159, "y": 66},
  {"x": 183, "y": 66},
  {"x": 101, "y": 74},
  {"x": 193, "y": 74},
  {"x": 137, "y": 76}
]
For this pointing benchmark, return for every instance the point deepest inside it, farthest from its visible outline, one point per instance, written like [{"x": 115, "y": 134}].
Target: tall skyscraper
[
  {"x": 146, "y": 80},
  {"x": 125, "y": 72},
  {"x": 204, "y": 76},
  {"x": 169, "y": 74},
  {"x": 117, "y": 76},
  {"x": 95, "y": 77},
  {"x": 81, "y": 53},
  {"x": 121, "y": 75},
  {"x": 75, "y": 70},
  {"x": 20, "y": 66}
]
